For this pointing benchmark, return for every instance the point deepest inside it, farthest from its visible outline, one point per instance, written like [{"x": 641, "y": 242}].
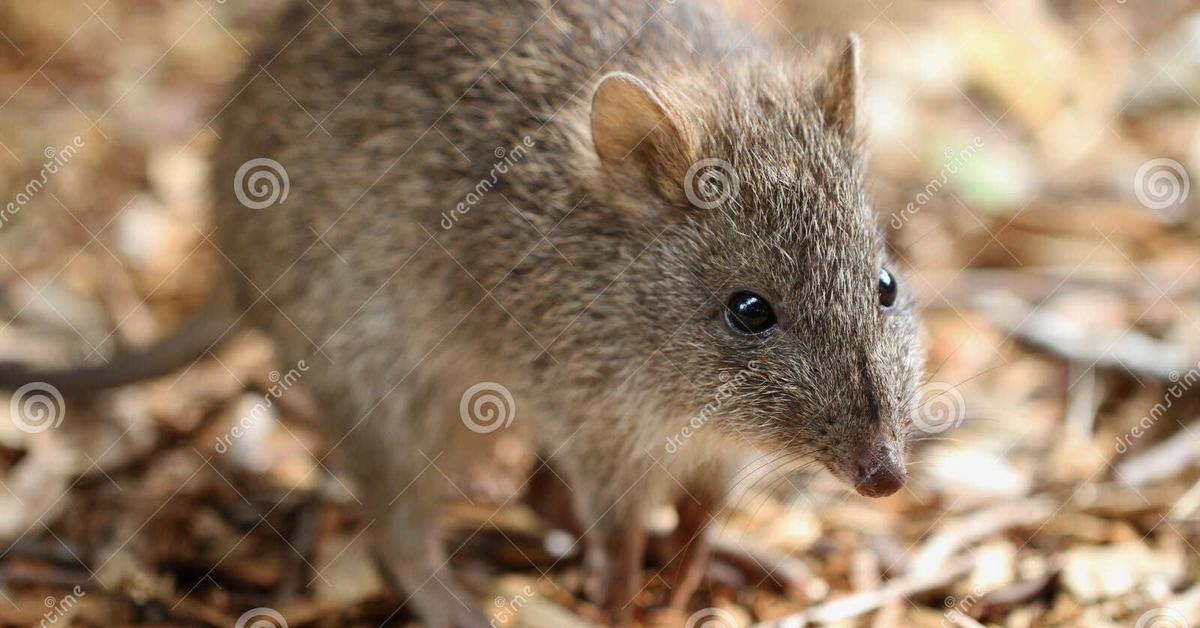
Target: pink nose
[{"x": 879, "y": 471}]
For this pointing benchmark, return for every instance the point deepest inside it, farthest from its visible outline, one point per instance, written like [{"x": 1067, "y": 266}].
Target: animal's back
[{"x": 391, "y": 123}]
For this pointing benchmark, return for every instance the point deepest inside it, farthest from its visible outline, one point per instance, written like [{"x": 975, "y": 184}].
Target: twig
[
  {"x": 1187, "y": 505},
  {"x": 760, "y": 563},
  {"x": 1163, "y": 460},
  {"x": 1115, "y": 501},
  {"x": 1037, "y": 284},
  {"x": 866, "y": 601},
  {"x": 979, "y": 525},
  {"x": 933, "y": 566},
  {"x": 1083, "y": 401},
  {"x": 302, "y": 540},
  {"x": 1002, "y": 600},
  {"x": 27, "y": 574},
  {"x": 1133, "y": 351}
]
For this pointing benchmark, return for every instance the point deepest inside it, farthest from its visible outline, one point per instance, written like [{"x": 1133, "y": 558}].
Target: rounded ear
[
  {"x": 839, "y": 98},
  {"x": 635, "y": 134}
]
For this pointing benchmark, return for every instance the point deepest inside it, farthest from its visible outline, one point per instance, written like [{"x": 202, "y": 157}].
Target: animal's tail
[{"x": 205, "y": 330}]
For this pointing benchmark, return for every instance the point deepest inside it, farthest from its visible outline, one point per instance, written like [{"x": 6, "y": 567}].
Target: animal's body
[{"x": 508, "y": 194}]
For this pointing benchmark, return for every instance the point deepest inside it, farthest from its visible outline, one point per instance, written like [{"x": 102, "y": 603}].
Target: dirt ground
[{"x": 1031, "y": 167}]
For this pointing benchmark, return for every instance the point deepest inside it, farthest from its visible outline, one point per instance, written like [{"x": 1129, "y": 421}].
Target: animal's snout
[{"x": 879, "y": 471}]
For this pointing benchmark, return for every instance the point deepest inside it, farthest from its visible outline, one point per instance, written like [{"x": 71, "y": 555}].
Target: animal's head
[{"x": 776, "y": 306}]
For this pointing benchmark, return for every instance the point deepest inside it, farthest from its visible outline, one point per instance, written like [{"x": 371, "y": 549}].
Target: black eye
[
  {"x": 887, "y": 288},
  {"x": 749, "y": 313}
]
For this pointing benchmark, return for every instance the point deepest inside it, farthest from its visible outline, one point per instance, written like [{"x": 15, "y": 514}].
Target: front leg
[
  {"x": 551, "y": 498},
  {"x": 685, "y": 553},
  {"x": 691, "y": 541},
  {"x": 613, "y": 492},
  {"x": 615, "y": 554}
]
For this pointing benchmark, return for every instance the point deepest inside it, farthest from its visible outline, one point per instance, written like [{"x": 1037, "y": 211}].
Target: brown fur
[{"x": 587, "y": 287}]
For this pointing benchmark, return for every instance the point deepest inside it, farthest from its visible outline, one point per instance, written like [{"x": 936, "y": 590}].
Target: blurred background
[{"x": 1031, "y": 166}]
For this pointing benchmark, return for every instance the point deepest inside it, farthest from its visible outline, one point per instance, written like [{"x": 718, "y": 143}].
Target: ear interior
[
  {"x": 839, "y": 99},
  {"x": 634, "y": 132}
]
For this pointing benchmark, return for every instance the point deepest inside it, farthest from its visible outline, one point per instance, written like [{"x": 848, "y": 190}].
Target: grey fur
[{"x": 590, "y": 290}]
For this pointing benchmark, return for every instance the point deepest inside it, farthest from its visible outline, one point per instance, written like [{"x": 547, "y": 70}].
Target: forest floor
[{"x": 1030, "y": 166}]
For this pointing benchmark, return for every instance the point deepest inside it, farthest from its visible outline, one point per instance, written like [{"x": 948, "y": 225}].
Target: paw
[
  {"x": 612, "y": 582},
  {"x": 431, "y": 592},
  {"x": 442, "y": 604}
]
